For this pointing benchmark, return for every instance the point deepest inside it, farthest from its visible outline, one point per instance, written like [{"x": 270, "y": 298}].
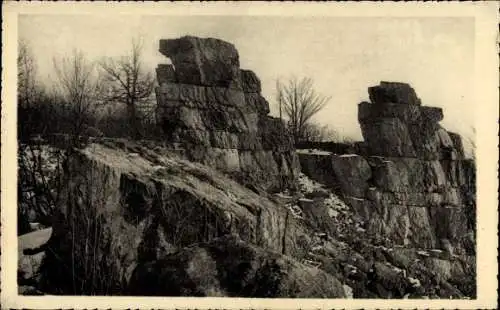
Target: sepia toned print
[{"x": 264, "y": 157}]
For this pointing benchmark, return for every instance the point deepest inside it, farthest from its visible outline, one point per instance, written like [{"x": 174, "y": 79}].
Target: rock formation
[
  {"x": 229, "y": 267},
  {"x": 215, "y": 111},
  {"x": 412, "y": 184},
  {"x": 136, "y": 218},
  {"x": 126, "y": 204}
]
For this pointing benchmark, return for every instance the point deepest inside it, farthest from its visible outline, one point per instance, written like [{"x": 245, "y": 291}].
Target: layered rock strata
[
  {"x": 414, "y": 185},
  {"x": 215, "y": 110},
  {"x": 125, "y": 205}
]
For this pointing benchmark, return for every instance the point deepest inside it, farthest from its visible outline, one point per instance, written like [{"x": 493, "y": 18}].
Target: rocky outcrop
[
  {"x": 395, "y": 92},
  {"x": 209, "y": 62},
  {"x": 231, "y": 267},
  {"x": 413, "y": 184},
  {"x": 215, "y": 111},
  {"x": 137, "y": 219},
  {"x": 126, "y": 204},
  {"x": 396, "y": 125}
]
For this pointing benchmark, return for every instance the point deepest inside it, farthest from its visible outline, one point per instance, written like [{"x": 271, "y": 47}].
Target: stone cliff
[
  {"x": 215, "y": 111},
  {"x": 411, "y": 183},
  {"x": 127, "y": 204},
  {"x": 138, "y": 218}
]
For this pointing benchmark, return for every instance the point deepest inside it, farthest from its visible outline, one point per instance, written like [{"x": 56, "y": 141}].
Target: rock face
[
  {"x": 214, "y": 110},
  {"x": 396, "y": 125},
  {"x": 413, "y": 186},
  {"x": 394, "y": 92},
  {"x": 126, "y": 205},
  {"x": 231, "y": 267},
  {"x": 209, "y": 62},
  {"x": 137, "y": 219}
]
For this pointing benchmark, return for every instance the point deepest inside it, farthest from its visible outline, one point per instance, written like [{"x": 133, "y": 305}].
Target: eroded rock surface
[
  {"x": 215, "y": 110},
  {"x": 413, "y": 184},
  {"x": 137, "y": 219},
  {"x": 126, "y": 204},
  {"x": 231, "y": 267}
]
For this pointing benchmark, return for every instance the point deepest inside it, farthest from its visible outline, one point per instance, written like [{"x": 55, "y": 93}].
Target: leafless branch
[
  {"x": 300, "y": 103},
  {"x": 128, "y": 82}
]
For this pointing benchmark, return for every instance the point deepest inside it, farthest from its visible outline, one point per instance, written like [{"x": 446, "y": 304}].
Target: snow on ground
[
  {"x": 335, "y": 203},
  {"x": 306, "y": 185},
  {"x": 423, "y": 253},
  {"x": 34, "y": 239},
  {"x": 335, "y": 206},
  {"x": 313, "y": 152},
  {"x": 348, "y": 291},
  {"x": 296, "y": 211},
  {"x": 414, "y": 282}
]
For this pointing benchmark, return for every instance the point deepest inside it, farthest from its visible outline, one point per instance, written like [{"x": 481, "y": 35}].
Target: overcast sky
[{"x": 343, "y": 55}]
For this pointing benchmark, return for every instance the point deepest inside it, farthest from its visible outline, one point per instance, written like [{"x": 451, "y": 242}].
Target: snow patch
[
  {"x": 348, "y": 291},
  {"x": 296, "y": 211},
  {"x": 313, "y": 152},
  {"x": 307, "y": 185},
  {"x": 332, "y": 213},
  {"x": 423, "y": 253},
  {"x": 356, "y": 198},
  {"x": 414, "y": 282}
]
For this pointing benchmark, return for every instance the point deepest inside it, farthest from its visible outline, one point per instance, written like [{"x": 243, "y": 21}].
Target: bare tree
[
  {"x": 129, "y": 83},
  {"x": 300, "y": 102},
  {"x": 317, "y": 133},
  {"x": 30, "y": 93},
  {"x": 80, "y": 88},
  {"x": 26, "y": 75}
]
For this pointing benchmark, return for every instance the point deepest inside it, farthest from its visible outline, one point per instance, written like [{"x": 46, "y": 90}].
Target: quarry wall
[
  {"x": 411, "y": 183},
  {"x": 215, "y": 111}
]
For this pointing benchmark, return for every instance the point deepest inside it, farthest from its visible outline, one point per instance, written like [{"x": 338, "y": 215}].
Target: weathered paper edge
[{"x": 486, "y": 90}]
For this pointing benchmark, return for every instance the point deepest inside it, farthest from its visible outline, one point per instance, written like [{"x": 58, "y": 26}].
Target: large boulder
[
  {"x": 124, "y": 205},
  {"x": 406, "y": 113},
  {"x": 214, "y": 110},
  {"x": 393, "y": 92},
  {"x": 395, "y": 124},
  {"x": 203, "y": 61},
  {"x": 231, "y": 267}
]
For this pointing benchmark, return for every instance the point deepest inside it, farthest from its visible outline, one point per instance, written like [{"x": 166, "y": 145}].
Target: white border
[{"x": 486, "y": 84}]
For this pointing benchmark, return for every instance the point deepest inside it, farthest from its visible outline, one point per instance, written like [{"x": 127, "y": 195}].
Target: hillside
[{"x": 137, "y": 209}]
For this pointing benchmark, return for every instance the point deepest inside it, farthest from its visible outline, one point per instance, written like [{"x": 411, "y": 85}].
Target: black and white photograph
[{"x": 250, "y": 151}]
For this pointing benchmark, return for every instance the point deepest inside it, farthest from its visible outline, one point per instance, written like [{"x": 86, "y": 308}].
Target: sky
[{"x": 343, "y": 55}]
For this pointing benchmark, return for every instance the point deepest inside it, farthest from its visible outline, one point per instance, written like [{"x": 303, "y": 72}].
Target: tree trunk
[{"x": 134, "y": 122}]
